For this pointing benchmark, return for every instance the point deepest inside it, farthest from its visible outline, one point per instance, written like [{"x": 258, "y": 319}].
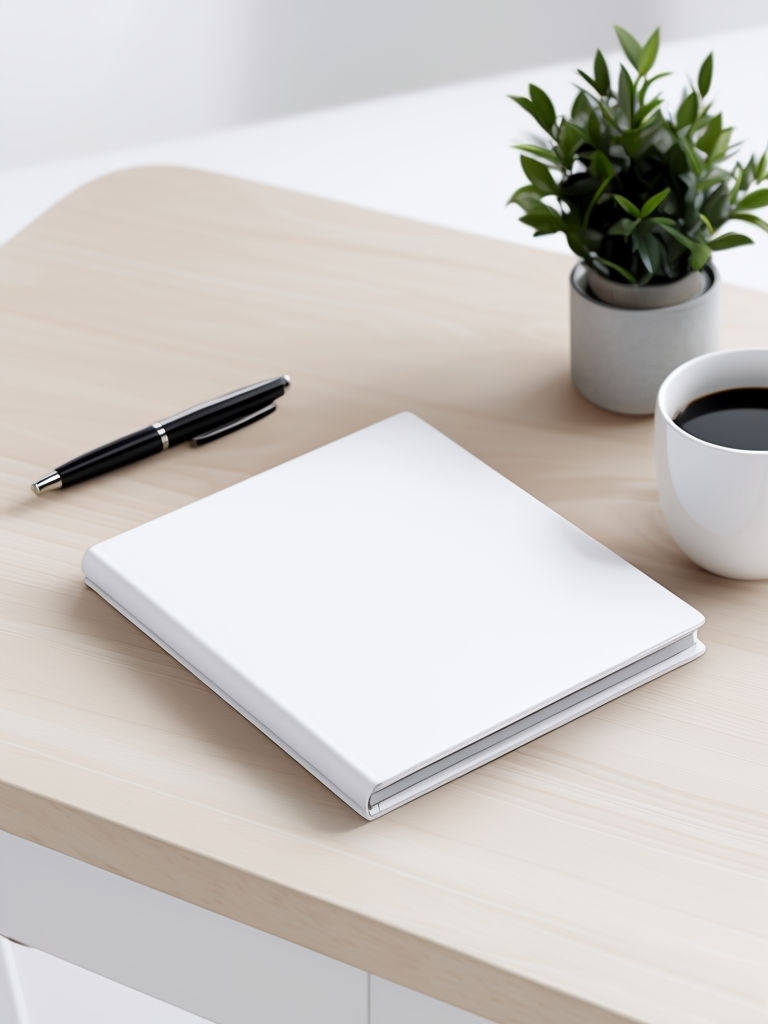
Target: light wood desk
[{"x": 615, "y": 870}]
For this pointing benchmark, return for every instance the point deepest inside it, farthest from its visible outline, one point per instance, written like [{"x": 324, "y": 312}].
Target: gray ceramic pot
[{"x": 619, "y": 356}]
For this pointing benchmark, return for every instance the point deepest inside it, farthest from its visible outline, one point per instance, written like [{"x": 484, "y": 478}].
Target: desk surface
[{"x": 613, "y": 870}]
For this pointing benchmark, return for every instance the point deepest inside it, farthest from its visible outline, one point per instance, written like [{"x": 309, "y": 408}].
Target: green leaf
[
  {"x": 656, "y": 200},
  {"x": 629, "y": 45},
  {"x": 545, "y": 110},
  {"x": 606, "y": 109},
  {"x": 649, "y": 53},
  {"x": 602, "y": 77},
  {"x": 729, "y": 241},
  {"x": 588, "y": 79},
  {"x": 569, "y": 138},
  {"x": 581, "y": 108},
  {"x": 706, "y": 141},
  {"x": 540, "y": 151},
  {"x": 594, "y": 201},
  {"x": 722, "y": 145},
  {"x": 751, "y": 218},
  {"x": 754, "y": 200},
  {"x": 626, "y": 94},
  {"x": 577, "y": 189},
  {"x": 707, "y": 223},
  {"x": 678, "y": 237},
  {"x": 538, "y": 175},
  {"x": 544, "y": 220},
  {"x": 623, "y": 227},
  {"x": 633, "y": 143},
  {"x": 714, "y": 181},
  {"x": 527, "y": 197},
  {"x": 530, "y": 107},
  {"x": 600, "y": 166},
  {"x": 628, "y": 206},
  {"x": 642, "y": 91},
  {"x": 748, "y": 177},
  {"x": 524, "y": 102},
  {"x": 700, "y": 256},
  {"x": 598, "y": 261},
  {"x": 648, "y": 248},
  {"x": 687, "y": 111},
  {"x": 647, "y": 109},
  {"x": 691, "y": 158},
  {"x": 594, "y": 131},
  {"x": 717, "y": 206},
  {"x": 705, "y": 75}
]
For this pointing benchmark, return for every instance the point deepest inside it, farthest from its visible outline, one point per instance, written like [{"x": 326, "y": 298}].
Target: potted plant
[{"x": 642, "y": 195}]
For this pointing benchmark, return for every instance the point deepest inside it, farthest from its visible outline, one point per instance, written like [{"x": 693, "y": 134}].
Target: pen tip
[
  {"x": 286, "y": 380},
  {"x": 48, "y": 483}
]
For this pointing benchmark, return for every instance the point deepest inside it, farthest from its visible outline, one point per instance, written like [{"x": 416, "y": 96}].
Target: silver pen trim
[
  {"x": 52, "y": 482},
  {"x": 161, "y": 434}
]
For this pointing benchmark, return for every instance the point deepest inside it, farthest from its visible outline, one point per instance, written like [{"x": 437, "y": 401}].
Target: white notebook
[{"x": 392, "y": 611}]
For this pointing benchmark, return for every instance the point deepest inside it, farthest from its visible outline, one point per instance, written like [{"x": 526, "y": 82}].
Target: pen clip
[{"x": 228, "y": 428}]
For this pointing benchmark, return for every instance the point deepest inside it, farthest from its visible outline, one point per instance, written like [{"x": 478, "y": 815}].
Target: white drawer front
[
  {"x": 205, "y": 963},
  {"x": 393, "y": 1004}
]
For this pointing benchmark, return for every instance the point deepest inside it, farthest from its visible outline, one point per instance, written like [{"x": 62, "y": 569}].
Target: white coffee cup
[{"x": 715, "y": 499}]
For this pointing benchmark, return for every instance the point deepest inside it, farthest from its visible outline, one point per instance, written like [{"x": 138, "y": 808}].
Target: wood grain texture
[{"x": 614, "y": 870}]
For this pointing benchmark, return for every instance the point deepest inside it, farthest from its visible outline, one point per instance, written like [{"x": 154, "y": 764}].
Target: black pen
[{"x": 200, "y": 424}]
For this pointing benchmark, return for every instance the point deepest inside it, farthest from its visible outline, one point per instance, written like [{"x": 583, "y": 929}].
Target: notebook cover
[{"x": 379, "y": 602}]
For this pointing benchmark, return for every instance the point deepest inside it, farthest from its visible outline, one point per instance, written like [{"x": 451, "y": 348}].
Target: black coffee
[{"x": 736, "y": 418}]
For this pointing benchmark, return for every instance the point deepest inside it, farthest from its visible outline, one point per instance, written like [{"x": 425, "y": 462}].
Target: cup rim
[{"x": 669, "y": 380}]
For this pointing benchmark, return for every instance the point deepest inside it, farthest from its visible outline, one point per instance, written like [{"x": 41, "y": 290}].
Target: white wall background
[{"x": 80, "y": 76}]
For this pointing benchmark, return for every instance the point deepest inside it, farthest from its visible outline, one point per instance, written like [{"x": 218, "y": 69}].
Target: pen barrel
[
  {"x": 202, "y": 419},
  {"x": 117, "y": 453}
]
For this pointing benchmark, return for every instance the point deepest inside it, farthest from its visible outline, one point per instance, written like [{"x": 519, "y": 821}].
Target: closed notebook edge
[
  {"x": 548, "y": 718},
  {"x": 372, "y": 798}
]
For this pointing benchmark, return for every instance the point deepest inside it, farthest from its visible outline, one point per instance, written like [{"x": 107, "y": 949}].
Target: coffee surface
[{"x": 734, "y": 418}]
